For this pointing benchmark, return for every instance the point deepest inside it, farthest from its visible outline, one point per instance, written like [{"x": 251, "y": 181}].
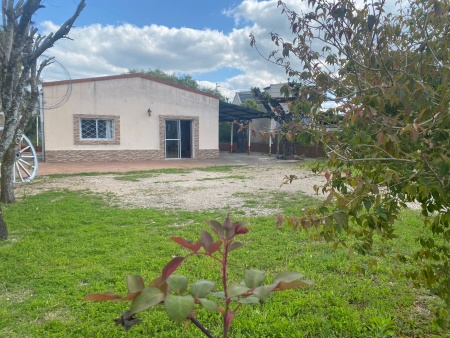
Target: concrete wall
[{"x": 126, "y": 99}]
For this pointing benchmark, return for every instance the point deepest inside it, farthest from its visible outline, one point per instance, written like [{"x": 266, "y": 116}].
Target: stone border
[
  {"x": 101, "y": 155},
  {"x": 76, "y": 129},
  {"x": 194, "y": 131}
]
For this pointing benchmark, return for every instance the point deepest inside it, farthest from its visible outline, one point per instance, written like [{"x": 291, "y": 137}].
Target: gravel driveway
[{"x": 190, "y": 189}]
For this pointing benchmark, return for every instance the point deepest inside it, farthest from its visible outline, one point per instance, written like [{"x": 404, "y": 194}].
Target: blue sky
[
  {"x": 197, "y": 14},
  {"x": 207, "y": 39}
]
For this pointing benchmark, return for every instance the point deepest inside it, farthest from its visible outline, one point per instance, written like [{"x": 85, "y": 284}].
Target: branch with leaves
[{"x": 179, "y": 301}]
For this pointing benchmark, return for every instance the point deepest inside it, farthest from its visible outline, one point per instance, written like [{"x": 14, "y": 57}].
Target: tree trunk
[
  {"x": 7, "y": 173},
  {"x": 3, "y": 228}
]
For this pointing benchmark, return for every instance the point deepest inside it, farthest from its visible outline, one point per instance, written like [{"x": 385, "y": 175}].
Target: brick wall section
[
  {"x": 205, "y": 154},
  {"x": 102, "y": 155},
  {"x": 77, "y": 130}
]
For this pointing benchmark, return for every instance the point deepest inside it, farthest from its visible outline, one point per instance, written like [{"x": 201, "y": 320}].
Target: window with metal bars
[{"x": 96, "y": 129}]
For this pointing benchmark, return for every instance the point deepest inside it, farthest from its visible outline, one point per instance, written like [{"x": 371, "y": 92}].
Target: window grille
[{"x": 97, "y": 129}]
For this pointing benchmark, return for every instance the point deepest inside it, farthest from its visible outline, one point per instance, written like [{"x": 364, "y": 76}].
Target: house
[
  {"x": 128, "y": 117},
  {"x": 271, "y": 125},
  {"x": 263, "y": 127}
]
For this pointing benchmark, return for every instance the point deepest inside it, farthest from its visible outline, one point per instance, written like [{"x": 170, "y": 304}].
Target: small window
[{"x": 97, "y": 129}]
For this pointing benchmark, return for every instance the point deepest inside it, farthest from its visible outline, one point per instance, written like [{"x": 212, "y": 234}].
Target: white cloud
[{"x": 98, "y": 50}]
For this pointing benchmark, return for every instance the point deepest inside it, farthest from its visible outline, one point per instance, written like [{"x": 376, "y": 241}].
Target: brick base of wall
[
  {"x": 102, "y": 155},
  {"x": 117, "y": 155},
  {"x": 204, "y": 154}
]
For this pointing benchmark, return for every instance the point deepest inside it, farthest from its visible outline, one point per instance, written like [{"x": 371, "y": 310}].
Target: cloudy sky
[{"x": 207, "y": 39}]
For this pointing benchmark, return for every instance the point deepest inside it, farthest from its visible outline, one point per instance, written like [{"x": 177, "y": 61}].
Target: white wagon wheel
[{"x": 26, "y": 162}]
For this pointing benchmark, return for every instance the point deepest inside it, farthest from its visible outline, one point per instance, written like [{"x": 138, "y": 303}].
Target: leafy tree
[
  {"x": 250, "y": 103},
  {"x": 20, "y": 48},
  {"x": 388, "y": 74}
]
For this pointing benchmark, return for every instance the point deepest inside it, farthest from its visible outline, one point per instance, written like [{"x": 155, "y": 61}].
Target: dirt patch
[{"x": 191, "y": 190}]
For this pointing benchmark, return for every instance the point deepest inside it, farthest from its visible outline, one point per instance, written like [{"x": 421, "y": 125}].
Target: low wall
[
  {"x": 118, "y": 155},
  {"x": 305, "y": 150}
]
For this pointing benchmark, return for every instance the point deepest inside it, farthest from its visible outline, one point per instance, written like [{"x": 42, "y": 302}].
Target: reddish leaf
[
  {"x": 305, "y": 224},
  {"x": 130, "y": 296},
  {"x": 160, "y": 284},
  {"x": 171, "y": 267},
  {"x": 292, "y": 285},
  {"x": 280, "y": 220},
  {"x": 229, "y": 318},
  {"x": 239, "y": 228},
  {"x": 207, "y": 240},
  {"x": 187, "y": 244},
  {"x": 293, "y": 222},
  {"x": 217, "y": 228},
  {"x": 102, "y": 297},
  {"x": 227, "y": 224},
  {"x": 214, "y": 247},
  {"x": 380, "y": 138},
  {"x": 157, "y": 282},
  {"x": 327, "y": 175},
  {"x": 230, "y": 232}
]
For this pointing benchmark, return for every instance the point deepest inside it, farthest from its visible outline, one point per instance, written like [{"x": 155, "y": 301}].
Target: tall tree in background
[
  {"x": 388, "y": 74},
  {"x": 20, "y": 48},
  {"x": 183, "y": 80}
]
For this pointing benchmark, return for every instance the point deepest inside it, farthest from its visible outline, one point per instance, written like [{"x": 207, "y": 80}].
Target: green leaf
[
  {"x": 178, "y": 308},
  {"x": 254, "y": 278},
  {"x": 201, "y": 288},
  {"x": 209, "y": 305},
  {"x": 219, "y": 294},
  {"x": 135, "y": 283},
  {"x": 367, "y": 204},
  {"x": 287, "y": 277},
  {"x": 249, "y": 300},
  {"x": 235, "y": 290},
  {"x": 178, "y": 284},
  {"x": 341, "y": 220},
  {"x": 148, "y": 298},
  {"x": 235, "y": 245},
  {"x": 264, "y": 291},
  {"x": 371, "y": 22}
]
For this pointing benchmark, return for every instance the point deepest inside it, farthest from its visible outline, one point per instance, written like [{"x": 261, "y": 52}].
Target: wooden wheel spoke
[
  {"x": 24, "y": 149},
  {"x": 18, "y": 172},
  {"x": 21, "y": 168}
]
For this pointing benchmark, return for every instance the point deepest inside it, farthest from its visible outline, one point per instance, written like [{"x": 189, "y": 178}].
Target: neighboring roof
[
  {"x": 244, "y": 96},
  {"x": 274, "y": 89},
  {"x": 128, "y": 76},
  {"x": 229, "y": 112}
]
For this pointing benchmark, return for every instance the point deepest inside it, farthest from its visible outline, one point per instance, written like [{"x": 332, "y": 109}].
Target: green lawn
[{"x": 65, "y": 245}]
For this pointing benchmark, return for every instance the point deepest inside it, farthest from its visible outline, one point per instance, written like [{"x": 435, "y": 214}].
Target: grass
[{"x": 65, "y": 245}]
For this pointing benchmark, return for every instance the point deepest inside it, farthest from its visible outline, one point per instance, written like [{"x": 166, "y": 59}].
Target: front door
[{"x": 178, "y": 139}]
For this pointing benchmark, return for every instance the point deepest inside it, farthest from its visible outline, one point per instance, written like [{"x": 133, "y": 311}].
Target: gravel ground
[{"x": 195, "y": 190}]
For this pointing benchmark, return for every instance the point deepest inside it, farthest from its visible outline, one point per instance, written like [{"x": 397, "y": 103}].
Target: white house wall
[{"x": 127, "y": 100}]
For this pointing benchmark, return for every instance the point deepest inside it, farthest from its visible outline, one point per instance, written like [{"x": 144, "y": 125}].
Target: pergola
[{"x": 229, "y": 112}]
